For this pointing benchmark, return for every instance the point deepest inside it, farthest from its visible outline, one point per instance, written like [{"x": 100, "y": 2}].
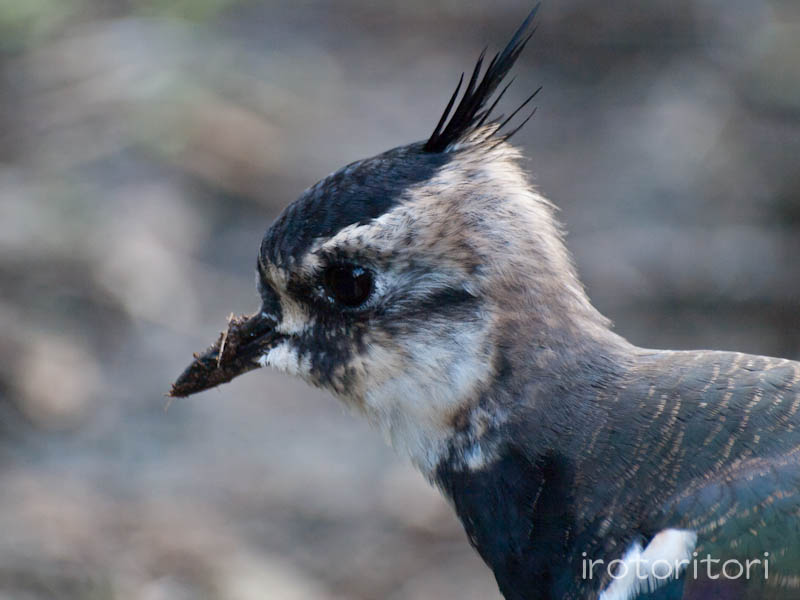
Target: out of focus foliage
[{"x": 144, "y": 148}]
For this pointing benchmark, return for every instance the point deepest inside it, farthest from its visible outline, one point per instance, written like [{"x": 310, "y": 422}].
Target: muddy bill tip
[{"x": 235, "y": 352}]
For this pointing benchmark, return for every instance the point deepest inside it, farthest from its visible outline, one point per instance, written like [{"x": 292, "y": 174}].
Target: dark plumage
[
  {"x": 430, "y": 290},
  {"x": 359, "y": 192},
  {"x": 704, "y": 441},
  {"x": 470, "y": 115}
]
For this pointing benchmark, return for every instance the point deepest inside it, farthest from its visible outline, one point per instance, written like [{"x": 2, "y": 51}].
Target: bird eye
[{"x": 348, "y": 285}]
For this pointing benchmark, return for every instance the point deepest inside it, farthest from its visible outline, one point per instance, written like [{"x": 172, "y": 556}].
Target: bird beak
[{"x": 235, "y": 352}]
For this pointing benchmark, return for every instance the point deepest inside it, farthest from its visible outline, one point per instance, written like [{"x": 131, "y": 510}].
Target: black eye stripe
[{"x": 348, "y": 285}]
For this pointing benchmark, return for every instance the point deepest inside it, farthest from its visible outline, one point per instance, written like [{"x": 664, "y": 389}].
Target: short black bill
[{"x": 235, "y": 352}]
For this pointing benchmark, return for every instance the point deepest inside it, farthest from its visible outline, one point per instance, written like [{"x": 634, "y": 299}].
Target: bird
[{"x": 430, "y": 289}]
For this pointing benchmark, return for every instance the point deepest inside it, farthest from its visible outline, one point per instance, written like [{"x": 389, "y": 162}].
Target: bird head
[{"x": 404, "y": 283}]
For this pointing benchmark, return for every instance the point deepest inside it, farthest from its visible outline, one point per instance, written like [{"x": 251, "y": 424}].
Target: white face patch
[
  {"x": 664, "y": 559},
  {"x": 295, "y": 319},
  {"x": 294, "y": 316},
  {"x": 417, "y": 387},
  {"x": 287, "y": 360}
]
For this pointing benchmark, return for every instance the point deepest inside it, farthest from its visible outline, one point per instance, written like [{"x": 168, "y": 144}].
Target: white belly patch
[{"x": 664, "y": 559}]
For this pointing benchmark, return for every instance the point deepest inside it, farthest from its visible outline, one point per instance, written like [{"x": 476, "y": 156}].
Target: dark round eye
[{"x": 348, "y": 285}]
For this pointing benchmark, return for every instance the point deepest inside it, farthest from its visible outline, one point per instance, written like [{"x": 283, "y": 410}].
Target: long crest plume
[{"x": 470, "y": 114}]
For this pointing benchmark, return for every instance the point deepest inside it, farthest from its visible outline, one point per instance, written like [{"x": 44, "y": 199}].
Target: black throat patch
[{"x": 518, "y": 513}]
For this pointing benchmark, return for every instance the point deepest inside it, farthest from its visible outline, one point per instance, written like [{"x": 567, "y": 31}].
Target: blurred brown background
[{"x": 146, "y": 145}]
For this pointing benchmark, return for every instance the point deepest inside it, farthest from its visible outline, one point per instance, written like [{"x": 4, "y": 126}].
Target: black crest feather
[{"x": 470, "y": 113}]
